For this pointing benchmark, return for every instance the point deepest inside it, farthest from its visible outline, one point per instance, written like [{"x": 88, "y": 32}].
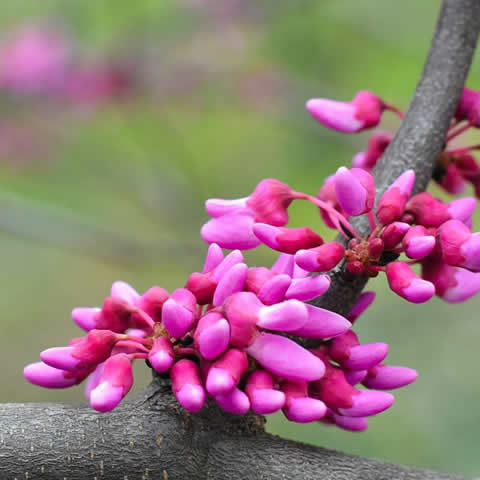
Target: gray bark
[{"x": 151, "y": 437}]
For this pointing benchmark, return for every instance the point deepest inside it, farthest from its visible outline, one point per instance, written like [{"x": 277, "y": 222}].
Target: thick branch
[
  {"x": 151, "y": 437},
  {"x": 422, "y": 133}
]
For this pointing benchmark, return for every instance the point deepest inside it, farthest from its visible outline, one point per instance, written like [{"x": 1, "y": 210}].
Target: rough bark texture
[{"x": 151, "y": 437}]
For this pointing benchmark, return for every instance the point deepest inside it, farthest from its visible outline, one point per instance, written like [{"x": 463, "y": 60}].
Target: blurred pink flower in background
[{"x": 34, "y": 59}]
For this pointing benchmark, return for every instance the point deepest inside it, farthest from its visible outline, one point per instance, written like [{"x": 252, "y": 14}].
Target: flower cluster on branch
[{"x": 229, "y": 332}]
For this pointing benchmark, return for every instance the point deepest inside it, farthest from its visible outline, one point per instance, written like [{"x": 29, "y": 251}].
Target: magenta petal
[
  {"x": 218, "y": 207},
  {"x": 462, "y": 209},
  {"x": 266, "y": 401},
  {"x": 471, "y": 251},
  {"x": 284, "y": 264},
  {"x": 213, "y": 258},
  {"x": 467, "y": 285},
  {"x": 124, "y": 291},
  {"x": 322, "y": 324},
  {"x": 191, "y": 397},
  {"x": 267, "y": 234},
  {"x": 105, "y": 397},
  {"x": 161, "y": 361},
  {"x": 305, "y": 289},
  {"x": 94, "y": 379},
  {"x": 85, "y": 317},
  {"x": 336, "y": 115},
  {"x": 273, "y": 290},
  {"x": 45, "y": 376},
  {"x": 352, "y": 424},
  {"x": 419, "y": 291},
  {"x": 367, "y": 403},
  {"x": 177, "y": 319},
  {"x": 214, "y": 340},
  {"x": 226, "y": 264},
  {"x": 219, "y": 381},
  {"x": 231, "y": 231},
  {"x": 235, "y": 402},
  {"x": 364, "y": 301},
  {"x": 420, "y": 247},
  {"x": 305, "y": 410},
  {"x": 351, "y": 194},
  {"x": 388, "y": 377},
  {"x": 286, "y": 316},
  {"x": 355, "y": 377},
  {"x": 366, "y": 356},
  {"x": 61, "y": 358},
  {"x": 232, "y": 282},
  {"x": 286, "y": 358}
]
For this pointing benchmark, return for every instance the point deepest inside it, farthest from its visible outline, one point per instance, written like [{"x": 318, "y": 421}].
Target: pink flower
[
  {"x": 355, "y": 190},
  {"x": 114, "y": 383},
  {"x": 392, "y": 203},
  {"x": 363, "y": 112},
  {"x": 377, "y": 144},
  {"x": 405, "y": 283}
]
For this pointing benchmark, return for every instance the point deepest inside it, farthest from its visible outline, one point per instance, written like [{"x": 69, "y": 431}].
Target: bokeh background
[{"x": 128, "y": 115}]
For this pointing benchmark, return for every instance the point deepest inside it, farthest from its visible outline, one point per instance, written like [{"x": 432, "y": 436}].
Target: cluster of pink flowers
[
  {"x": 431, "y": 233},
  {"x": 228, "y": 332},
  {"x": 456, "y": 167},
  {"x": 223, "y": 335},
  {"x": 38, "y": 60}
]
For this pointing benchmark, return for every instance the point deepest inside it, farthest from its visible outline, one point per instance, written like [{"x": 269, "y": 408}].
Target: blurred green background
[{"x": 95, "y": 191}]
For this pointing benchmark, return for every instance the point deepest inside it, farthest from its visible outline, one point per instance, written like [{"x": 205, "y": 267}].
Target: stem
[
  {"x": 459, "y": 151},
  {"x": 457, "y": 132},
  {"x": 331, "y": 211},
  {"x": 129, "y": 343},
  {"x": 143, "y": 341},
  {"x": 394, "y": 109}
]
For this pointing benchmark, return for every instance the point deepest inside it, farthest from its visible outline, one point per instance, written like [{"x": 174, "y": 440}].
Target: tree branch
[
  {"x": 151, "y": 437},
  {"x": 151, "y": 434}
]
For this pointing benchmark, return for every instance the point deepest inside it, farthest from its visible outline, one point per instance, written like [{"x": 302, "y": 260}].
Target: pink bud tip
[
  {"x": 176, "y": 318},
  {"x": 219, "y": 381},
  {"x": 235, "y": 402},
  {"x": 355, "y": 377},
  {"x": 320, "y": 259},
  {"x": 405, "y": 283},
  {"x": 125, "y": 292},
  {"x": 86, "y": 318},
  {"x": 45, "y": 376},
  {"x": 218, "y": 207},
  {"x": 418, "y": 243},
  {"x": 322, "y": 323},
  {"x": 286, "y": 358},
  {"x": 61, "y": 358},
  {"x": 213, "y": 258},
  {"x": 232, "y": 282},
  {"x": 266, "y": 401},
  {"x": 105, "y": 397},
  {"x": 161, "y": 355},
  {"x": 286, "y": 316},
  {"x": 274, "y": 290},
  {"x": 462, "y": 209},
  {"x": 212, "y": 335},
  {"x": 355, "y": 190},
  {"x": 365, "y": 356},
  {"x": 391, "y": 204},
  {"x": 191, "y": 397},
  {"x": 352, "y": 424},
  {"x": 305, "y": 410},
  {"x": 367, "y": 403},
  {"x": 231, "y": 231},
  {"x": 386, "y": 377},
  {"x": 305, "y": 289}
]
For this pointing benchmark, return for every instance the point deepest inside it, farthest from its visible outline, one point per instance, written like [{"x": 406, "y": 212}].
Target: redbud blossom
[
  {"x": 355, "y": 190},
  {"x": 392, "y": 203},
  {"x": 407, "y": 284},
  {"x": 363, "y": 112}
]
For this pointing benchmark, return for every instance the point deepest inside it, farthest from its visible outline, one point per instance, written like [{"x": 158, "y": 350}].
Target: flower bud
[
  {"x": 392, "y": 203},
  {"x": 355, "y": 190},
  {"x": 407, "y": 284}
]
